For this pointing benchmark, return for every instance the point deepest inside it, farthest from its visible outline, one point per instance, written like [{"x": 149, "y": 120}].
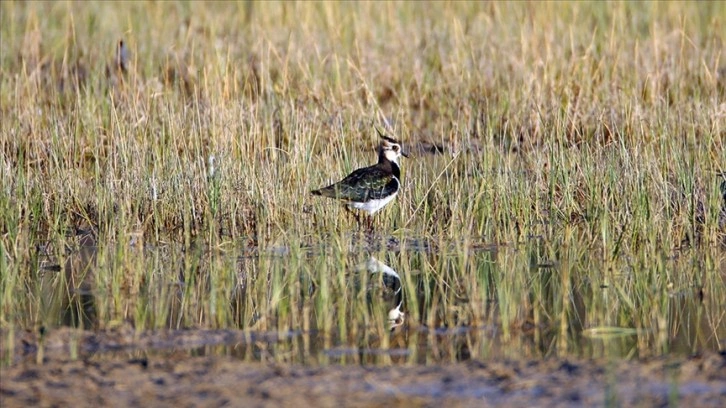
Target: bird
[{"x": 370, "y": 188}]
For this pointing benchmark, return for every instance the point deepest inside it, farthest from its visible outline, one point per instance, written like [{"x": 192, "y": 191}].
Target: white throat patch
[{"x": 392, "y": 155}]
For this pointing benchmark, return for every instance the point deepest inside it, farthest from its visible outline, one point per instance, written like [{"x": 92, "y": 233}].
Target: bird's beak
[{"x": 404, "y": 154}]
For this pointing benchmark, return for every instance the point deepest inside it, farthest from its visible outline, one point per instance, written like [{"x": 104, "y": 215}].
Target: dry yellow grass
[{"x": 593, "y": 126}]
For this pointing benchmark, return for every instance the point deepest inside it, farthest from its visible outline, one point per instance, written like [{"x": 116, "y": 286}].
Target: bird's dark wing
[{"x": 362, "y": 185}]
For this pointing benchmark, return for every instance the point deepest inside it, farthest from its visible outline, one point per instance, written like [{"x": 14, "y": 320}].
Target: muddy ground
[{"x": 109, "y": 371}]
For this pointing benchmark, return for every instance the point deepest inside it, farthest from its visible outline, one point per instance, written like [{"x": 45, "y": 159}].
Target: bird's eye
[{"x": 396, "y": 148}]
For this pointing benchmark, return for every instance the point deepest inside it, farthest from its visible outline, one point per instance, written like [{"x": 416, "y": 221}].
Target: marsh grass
[{"x": 563, "y": 180}]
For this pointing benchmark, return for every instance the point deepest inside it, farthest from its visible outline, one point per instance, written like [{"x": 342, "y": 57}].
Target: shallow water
[{"x": 383, "y": 301}]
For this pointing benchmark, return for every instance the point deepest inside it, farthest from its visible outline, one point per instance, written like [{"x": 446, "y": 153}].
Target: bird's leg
[
  {"x": 373, "y": 240},
  {"x": 355, "y": 215},
  {"x": 370, "y": 223}
]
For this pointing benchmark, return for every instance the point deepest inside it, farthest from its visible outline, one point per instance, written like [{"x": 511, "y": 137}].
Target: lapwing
[{"x": 370, "y": 188}]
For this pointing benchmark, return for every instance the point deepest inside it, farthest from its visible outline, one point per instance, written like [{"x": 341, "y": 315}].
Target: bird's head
[{"x": 390, "y": 148}]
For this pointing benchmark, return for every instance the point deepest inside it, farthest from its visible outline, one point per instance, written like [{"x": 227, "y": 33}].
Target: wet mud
[{"x": 117, "y": 369}]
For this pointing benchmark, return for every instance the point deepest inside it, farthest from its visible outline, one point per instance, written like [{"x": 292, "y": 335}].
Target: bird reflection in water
[{"x": 391, "y": 289}]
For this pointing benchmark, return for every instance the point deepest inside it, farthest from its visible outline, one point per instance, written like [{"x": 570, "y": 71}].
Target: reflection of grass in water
[{"x": 584, "y": 140}]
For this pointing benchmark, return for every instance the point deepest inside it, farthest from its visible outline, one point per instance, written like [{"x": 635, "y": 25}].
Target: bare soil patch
[{"x": 179, "y": 378}]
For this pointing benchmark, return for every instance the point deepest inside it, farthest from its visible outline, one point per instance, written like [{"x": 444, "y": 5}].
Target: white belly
[{"x": 373, "y": 205}]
